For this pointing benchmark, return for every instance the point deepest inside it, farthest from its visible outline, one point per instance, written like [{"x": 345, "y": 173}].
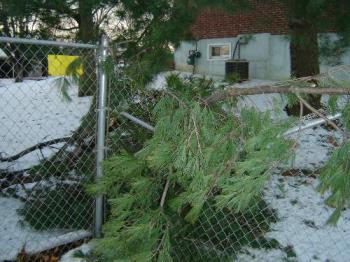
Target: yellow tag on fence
[{"x": 58, "y": 65}]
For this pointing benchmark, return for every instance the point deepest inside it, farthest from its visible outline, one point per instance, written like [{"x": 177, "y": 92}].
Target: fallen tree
[
  {"x": 323, "y": 84},
  {"x": 268, "y": 89},
  {"x": 199, "y": 160}
]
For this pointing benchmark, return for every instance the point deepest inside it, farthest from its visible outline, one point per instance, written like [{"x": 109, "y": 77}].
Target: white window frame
[{"x": 219, "y": 45}]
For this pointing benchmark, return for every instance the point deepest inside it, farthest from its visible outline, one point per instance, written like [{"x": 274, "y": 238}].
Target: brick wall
[{"x": 262, "y": 17}]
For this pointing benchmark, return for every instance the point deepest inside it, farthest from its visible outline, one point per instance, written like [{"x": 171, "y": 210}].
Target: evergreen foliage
[
  {"x": 335, "y": 176},
  {"x": 335, "y": 179},
  {"x": 198, "y": 157},
  {"x": 58, "y": 207}
]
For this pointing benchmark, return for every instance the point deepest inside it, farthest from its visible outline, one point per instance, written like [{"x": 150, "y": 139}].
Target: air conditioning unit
[{"x": 239, "y": 67}]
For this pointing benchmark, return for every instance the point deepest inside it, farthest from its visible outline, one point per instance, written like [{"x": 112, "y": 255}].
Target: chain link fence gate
[{"x": 48, "y": 120}]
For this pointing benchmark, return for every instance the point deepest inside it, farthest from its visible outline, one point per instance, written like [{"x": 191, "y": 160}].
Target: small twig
[
  {"x": 312, "y": 109},
  {"x": 54, "y": 147},
  {"x": 161, "y": 242},
  {"x": 41, "y": 152},
  {"x": 197, "y": 135},
  {"x": 300, "y": 116},
  {"x": 33, "y": 148},
  {"x": 176, "y": 98},
  {"x": 165, "y": 192}
]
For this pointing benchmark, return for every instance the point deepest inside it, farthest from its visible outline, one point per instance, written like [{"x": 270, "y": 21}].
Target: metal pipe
[
  {"x": 238, "y": 45},
  {"x": 137, "y": 121},
  {"x": 101, "y": 131},
  {"x": 291, "y": 131},
  {"x": 16, "y": 40},
  {"x": 311, "y": 124}
]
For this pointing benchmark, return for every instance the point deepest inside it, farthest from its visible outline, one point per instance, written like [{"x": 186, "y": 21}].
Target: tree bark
[
  {"x": 86, "y": 34},
  {"x": 304, "y": 51},
  {"x": 86, "y": 22},
  {"x": 237, "y": 91}
]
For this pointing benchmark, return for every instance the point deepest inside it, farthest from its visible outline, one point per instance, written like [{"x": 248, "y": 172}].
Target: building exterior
[{"x": 264, "y": 42}]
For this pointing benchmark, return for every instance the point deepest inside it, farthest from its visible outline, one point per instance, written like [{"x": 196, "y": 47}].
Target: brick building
[
  {"x": 262, "y": 17},
  {"x": 264, "y": 42}
]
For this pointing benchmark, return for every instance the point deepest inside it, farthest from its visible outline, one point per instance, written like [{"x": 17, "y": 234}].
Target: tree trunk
[
  {"x": 87, "y": 34},
  {"x": 86, "y": 22},
  {"x": 304, "y": 52}
]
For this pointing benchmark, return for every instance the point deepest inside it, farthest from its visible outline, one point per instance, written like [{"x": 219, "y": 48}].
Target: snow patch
[
  {"x": 33, "y": 112},
  {"x": 159, "y": 81},
  {"x": 314, "y": 147},
  {"x": 258, "y": 255},
  {"x": 16, "y": 236},
  {"x": 301, "y": 211},
  {"x": 302, "y": 220},
  {"x": 77, "y": 254}
]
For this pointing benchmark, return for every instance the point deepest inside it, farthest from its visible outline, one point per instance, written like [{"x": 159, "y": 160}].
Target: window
[{"x": 219, "y": 51}]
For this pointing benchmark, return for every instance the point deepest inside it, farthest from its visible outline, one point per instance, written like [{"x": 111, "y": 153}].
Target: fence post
[{"x": 101, "y": 130}]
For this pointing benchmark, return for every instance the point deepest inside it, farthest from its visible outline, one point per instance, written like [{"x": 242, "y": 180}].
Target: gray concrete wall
[
  {"x": 327, "y": 62},
  {"x": 279, "y": 62},
  {"x": 268, "y": 56}
]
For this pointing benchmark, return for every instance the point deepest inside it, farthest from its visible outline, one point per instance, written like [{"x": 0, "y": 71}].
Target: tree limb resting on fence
[
  {"x": 270, "y": 89},
  {"x": 33, "y": 148}
]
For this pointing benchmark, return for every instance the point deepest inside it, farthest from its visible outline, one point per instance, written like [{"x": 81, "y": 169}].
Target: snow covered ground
[
  {"x": 14, "y": 236},
  {"x": 302, "y": 220},
  {"x": 32, "y": 112},
  {"x": 159, "y": 81},
  {"x": 301, "y": 212},
  {"x": 77, "y": 254}
]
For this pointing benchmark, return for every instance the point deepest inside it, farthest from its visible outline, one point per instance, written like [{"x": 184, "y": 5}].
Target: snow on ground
[
  {"x": 259, "y": 255},
  {"x": 14, "y": 236},
  {"x": 77, "y": 254},
  {"x": 315, "y": 146},
  {"x": 159, "y": 80},
  {"x": 33, "y": 112},
  {"x": 273, "y": 103},
  {"x": 301, "y": 212},
  {"x": 302, "y": 220}
]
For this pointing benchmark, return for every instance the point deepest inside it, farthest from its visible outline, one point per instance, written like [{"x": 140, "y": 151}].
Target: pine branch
[{"x": 271, "y": 89}]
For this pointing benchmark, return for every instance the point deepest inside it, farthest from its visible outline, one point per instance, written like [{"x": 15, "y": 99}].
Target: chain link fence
[
  {"x": 288, "y": 222},
  {"x": 48, "y": 145}
]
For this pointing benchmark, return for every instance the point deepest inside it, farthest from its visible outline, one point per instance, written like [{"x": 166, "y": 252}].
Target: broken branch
[
  {"x": 33, "y": 148},
  {"x": 270, "y": 89},
  {"x": 314, "y": 110}
]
